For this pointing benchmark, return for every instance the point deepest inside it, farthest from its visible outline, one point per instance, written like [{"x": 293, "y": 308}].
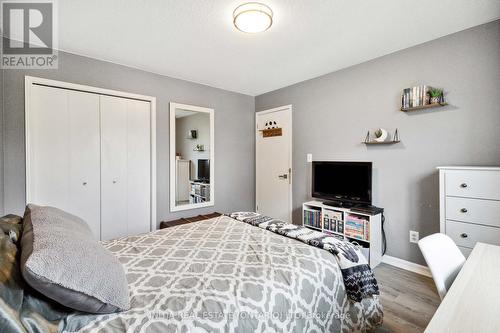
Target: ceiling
[{"x": 195, "y": 40}]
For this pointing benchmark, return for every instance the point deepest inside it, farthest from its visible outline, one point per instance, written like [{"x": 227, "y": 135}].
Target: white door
[
  {"x": 274, "y": 163},
  {"x": 125, "y": 167},
  {"x": 138, "y": 167},
  {"x": 63, "y": 152}
]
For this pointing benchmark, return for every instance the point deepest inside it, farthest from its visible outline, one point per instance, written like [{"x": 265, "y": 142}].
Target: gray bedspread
[{"x": 223, "y": 275}]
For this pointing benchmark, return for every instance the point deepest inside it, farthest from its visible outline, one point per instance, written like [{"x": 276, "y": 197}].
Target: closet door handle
[
  {"x": 463, "y": 210},
  {"x": 464, "y": 185}
]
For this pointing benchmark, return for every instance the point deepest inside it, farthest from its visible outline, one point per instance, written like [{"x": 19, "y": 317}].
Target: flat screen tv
[
  {"x": 346, "y": 183},
  {"x": 204, "y": 170}
]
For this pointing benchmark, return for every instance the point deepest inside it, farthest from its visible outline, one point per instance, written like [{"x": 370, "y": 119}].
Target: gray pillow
[{"x": 61, "y": 259}]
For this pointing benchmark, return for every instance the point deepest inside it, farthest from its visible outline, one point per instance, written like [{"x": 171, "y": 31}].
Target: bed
[{"x": 224, "y": 275}]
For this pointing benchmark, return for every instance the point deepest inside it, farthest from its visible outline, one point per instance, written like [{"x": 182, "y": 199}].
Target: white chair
[{"x": 443, "y": 258}]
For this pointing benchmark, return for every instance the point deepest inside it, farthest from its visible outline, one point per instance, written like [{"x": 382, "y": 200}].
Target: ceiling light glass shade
[{"x": 253, "y": 17}]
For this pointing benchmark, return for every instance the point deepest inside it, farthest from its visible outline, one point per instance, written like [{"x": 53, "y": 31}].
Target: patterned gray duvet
[{"x": 223, "y": 275}]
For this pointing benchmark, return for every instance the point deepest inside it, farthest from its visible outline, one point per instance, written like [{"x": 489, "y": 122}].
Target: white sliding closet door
[
  {"x": 63, "y": 158},
  {"x": 138, "y": 167},
  {"x": 125, "y": 166}
]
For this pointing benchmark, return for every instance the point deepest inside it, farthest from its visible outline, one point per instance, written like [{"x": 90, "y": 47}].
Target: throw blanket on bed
[{"x": 358, "y": 277}]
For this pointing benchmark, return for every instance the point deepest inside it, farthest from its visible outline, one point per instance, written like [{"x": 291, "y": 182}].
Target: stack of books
[
  {"x": 416, "y": 96},
  {"x": 357, "y": 227},
  {"x": 312, "y": 218}
]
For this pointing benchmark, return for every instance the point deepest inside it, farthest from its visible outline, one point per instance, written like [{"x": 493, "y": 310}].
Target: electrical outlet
[
  {"x": 414, "y": 237},
  {"x": 309, "y": 157}
]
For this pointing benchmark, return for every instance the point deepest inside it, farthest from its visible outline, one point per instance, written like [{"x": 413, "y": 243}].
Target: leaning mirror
[{"x": 191, "y": 157}]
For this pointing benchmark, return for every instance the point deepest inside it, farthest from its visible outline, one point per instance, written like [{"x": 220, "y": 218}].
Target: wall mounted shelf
[
  {"x": 381, "y": 143},
  {"x": 428, "y": 106},
  {"x": 395, "y": 139}
]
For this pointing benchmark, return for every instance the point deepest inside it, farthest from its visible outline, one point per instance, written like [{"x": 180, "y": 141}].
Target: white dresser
[{"x": 469, "y": 200}]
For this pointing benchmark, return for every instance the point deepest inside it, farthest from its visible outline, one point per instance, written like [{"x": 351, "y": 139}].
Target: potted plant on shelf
[{"x": 436, "y": 95}]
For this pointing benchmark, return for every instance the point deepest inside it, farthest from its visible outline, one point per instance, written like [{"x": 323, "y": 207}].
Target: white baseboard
[{"x": 407, "y": 265}]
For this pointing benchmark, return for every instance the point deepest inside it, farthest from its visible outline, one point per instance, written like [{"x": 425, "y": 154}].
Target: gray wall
[
  {"x": 234, "y": 143},
  {"x": 332, "y": 113}
]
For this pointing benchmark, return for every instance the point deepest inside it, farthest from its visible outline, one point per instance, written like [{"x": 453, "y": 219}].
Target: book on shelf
[
  {"x": 357, "y": 227},
  {"x": 415, "y": 96},
  {"x": 312, "y": 218}
]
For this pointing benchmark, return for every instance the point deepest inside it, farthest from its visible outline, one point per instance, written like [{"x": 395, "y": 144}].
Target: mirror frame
[{"x": 173, "y": 108}]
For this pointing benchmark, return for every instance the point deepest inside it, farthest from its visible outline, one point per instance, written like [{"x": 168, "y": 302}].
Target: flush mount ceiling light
[{"x": 252, "y": 17}]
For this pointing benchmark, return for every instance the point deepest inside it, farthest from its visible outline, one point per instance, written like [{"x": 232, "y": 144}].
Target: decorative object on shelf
[
  {"x": 381, "y": 135},
  {"x": 378, "y": 134},
  {"x": 436, "y": 95},
  {"x": 421, "y": 97},
  {"x": 199, "y": 148},
  {"x": 192, "y": 134},
  {"x": 271, "y": 129}
]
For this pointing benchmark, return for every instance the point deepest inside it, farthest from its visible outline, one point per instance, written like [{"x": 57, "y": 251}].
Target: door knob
[
  {"x": 464, "y": 235},
  {"x": 283, "y": 176},
  {"x": 115, "y": 181},
  {"x": 464, "y": 185},
  {"x": 84, "y": 183},
  {"x": 463, "y": 210}
]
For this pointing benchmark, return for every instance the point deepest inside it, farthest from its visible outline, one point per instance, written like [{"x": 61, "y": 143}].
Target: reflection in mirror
[{"x": 192, "y": 143}]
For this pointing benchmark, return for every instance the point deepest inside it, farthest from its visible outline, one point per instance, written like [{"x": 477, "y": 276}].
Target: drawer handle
[
  {"x": 464, "y": 185},
  {"x": 463, "y": 210},
  {"x": 464, "y": 235}
]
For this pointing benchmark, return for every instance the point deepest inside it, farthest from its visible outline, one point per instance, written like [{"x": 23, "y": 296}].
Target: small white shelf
[
  {"x": 201, "y": 188},
  {"x": 311, "y": 227},
  {"x": 372, "y": 247},
  {"x": 357, "y": 239},
  {"x": 332, "y": 232}
]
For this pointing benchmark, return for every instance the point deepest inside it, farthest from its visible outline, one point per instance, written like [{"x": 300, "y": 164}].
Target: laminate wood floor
[{"x": 409, "y": 300}]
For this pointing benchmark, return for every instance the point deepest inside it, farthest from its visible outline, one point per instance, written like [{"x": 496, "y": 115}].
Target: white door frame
[
  {"x": 29, "y": 81},
  {"x": 290, "y": 162}
]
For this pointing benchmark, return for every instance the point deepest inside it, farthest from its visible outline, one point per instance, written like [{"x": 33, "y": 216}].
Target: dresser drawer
[
  {"x": 466, "y": 234},
  {"x": 473, "y": 184},
  {"x": 473, "y": 210}
]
